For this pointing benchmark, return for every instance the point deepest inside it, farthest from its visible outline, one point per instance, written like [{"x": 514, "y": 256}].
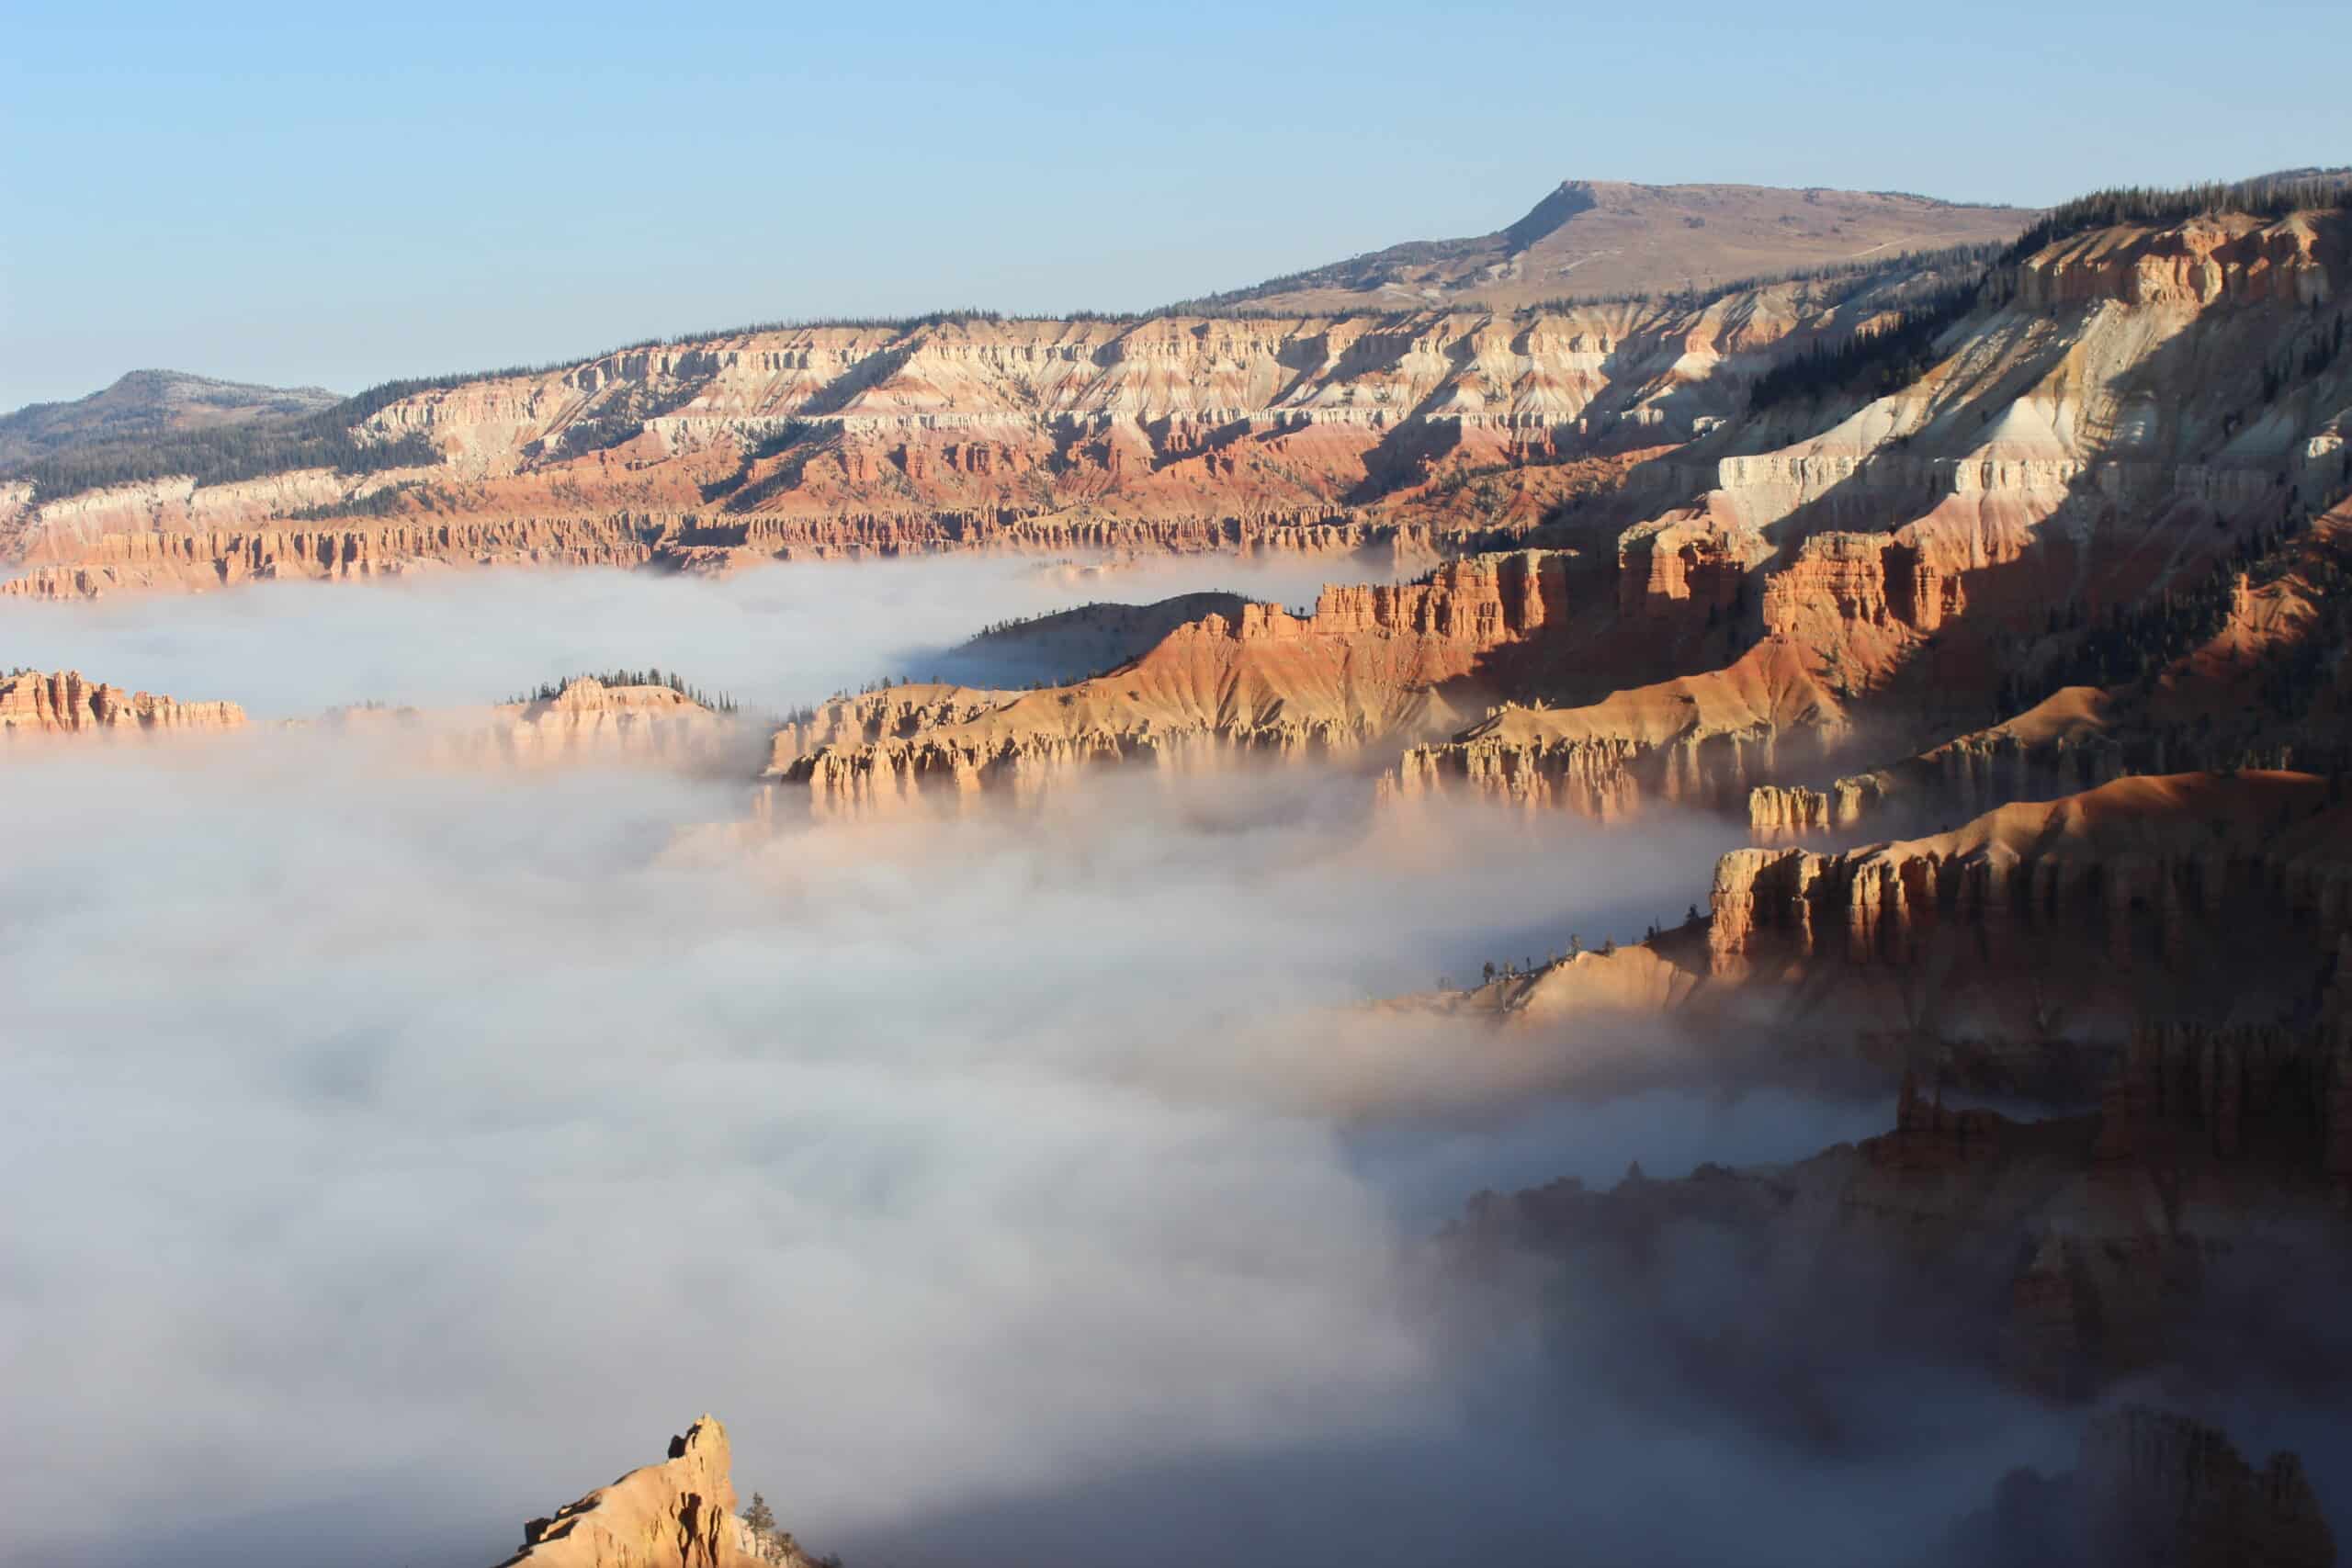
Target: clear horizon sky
[{"x": 336, "y": 196}]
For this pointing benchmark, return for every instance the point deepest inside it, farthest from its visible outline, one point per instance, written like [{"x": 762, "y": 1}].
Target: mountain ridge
[
  {"x": 1596, "y": 238},
  {"x": 145, "y": 402}
]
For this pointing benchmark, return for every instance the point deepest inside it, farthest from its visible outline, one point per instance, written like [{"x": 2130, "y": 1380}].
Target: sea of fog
[
  {"x": 773, "y": 639},
  {"x": 397, "y": 1151}
]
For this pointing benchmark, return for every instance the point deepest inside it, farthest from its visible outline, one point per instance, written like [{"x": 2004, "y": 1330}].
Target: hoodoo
[
  {"x": 32, "y": 704},
  {"x": 677, "y": 1514}
]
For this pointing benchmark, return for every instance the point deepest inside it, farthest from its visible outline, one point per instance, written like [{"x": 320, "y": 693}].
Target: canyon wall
[
  {"x": 2062, "y": 1256},
  {"x": 1699, "y": 741},
  {"x": 1165, "y": 433},
  {"x": 1370, "y": 663},
  {"x": 2143, "y": 864},
  {"x": 32, "y": 704}
]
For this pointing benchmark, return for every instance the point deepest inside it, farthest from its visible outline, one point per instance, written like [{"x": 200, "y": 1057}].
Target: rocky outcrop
[
  {"x": 1681, "y": 563},
  {"x": 2154, "y": 1489},
  {"x": 1793, "y": 811},
  {"x": 2051, "y": 1253},
  {"x": 201, "y": 560},
  {"x": 2139, "y": 865},
  {"x": 2230, "y": 1091},
  {"x": 1370, "y": 662},
  {"x": 587, "y": 720},
  {"x": 2034, "y": 951},
  {"x": 2255, "y": 683},
  {"x": 2222, "y": 258},
  {"x": 1699, "y": 741},
  {"x": 677, "y": 1514},
  {"x": 2162, "y": 1489},
  {"x": 2062, "y": 745},
  {"x": 32, "y": 704}
]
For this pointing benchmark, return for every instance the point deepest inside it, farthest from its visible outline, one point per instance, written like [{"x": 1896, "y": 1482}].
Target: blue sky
[{"x": 341, "y": 194}]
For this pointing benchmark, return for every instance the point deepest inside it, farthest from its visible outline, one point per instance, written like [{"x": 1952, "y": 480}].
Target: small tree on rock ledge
[{"x": 759, "y": 1518}]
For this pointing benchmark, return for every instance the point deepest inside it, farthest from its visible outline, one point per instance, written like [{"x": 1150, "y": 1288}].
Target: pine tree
[{"x": 759, "y": 1518}]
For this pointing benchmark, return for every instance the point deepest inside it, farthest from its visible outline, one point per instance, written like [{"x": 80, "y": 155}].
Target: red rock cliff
[{"x": 64, "y": 704}]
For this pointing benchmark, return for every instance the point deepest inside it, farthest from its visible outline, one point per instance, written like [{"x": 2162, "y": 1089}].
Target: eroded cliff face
[
  {"x": 64, "y": 704},
  {"x": 195, "y": 560},
  {"x": 2062, "y": 745},
  {"x": 2115, "y": 416},
  {"x": 2140, "y": 871},
  {"x": 2151, "y": 1487},
  {"x": 1279, "y": 434},
  {"x": 588, "y": 721},
  {"x": 2031, "y": 952},
  {"x": 1370, "y": 663},
  {"x": 1700, "y": 742},
  {"x": 1316, "y": 432},
  {"x": 2220, "y": 258},
  {"x": 677, "y": 1514},
  {"x": 2261, "y": 686},
  {"x": 2055, "y": 1255}
]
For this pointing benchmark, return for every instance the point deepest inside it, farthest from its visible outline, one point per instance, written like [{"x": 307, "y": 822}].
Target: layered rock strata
[
  {"x": 587, "y": 720},
  {"x": 1369, "y": 663},
  {"x": 63, "y": 703},
  {"x": 1320, "y": 433},
  {"x": 2140, "y": 866},
  {"x": 1694, "y": 742}
]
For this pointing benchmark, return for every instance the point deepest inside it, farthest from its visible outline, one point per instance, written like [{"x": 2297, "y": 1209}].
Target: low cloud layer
[
  {"x": 435, "y": 1142},
  {"x": 773, "y": 637},
  {"x": 414, "y": 1147}
]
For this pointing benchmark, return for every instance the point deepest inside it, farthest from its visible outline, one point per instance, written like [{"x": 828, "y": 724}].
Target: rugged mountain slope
[
  {"x": 34, "y": 705},
  {"x": 1593, "y": 238},
  {"x": 147, "y": 403}
]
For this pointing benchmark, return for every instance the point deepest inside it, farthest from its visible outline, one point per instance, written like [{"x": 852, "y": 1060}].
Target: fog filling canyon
[
  {"x": 965, "y": 1163},
  {"x": 1027, "y": 1183},
  {"x": 769, "y": 639},
  {"x": 1747, "y": 931}
]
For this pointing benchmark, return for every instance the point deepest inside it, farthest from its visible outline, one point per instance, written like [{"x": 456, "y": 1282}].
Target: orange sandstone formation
[
  {"x": 64, "y": 704},
  {"x": 677, "y": 1514},
  {"x": 1369, "y": 663},
  {"x": 1322, "y": 435},
  {"x": 588, "y": 720},
  {"x": 1696, "y": 740}
]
